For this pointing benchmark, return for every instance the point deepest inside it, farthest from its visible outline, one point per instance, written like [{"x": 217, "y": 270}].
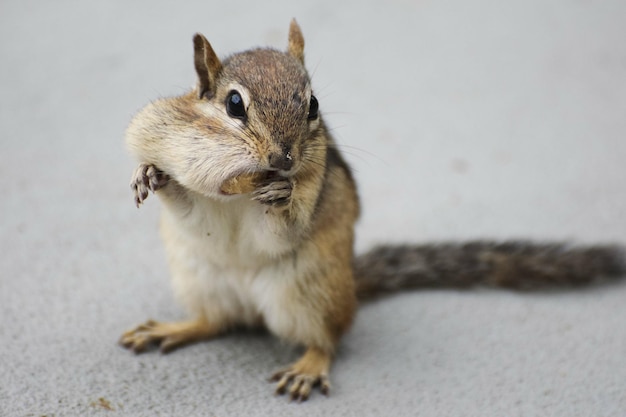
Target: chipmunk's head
[{"x": 260, "y": 104}]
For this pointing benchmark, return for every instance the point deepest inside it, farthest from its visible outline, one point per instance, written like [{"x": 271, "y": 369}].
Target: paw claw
[
  {"x": 167, "y": 336},
  {"x": 146, "y": 178},
  {"x": 299, "y": 384},
  {"x": 301, "y": 387},
  {"x": 274, "y": 192},
  {"x": 325, "y": 386},
  {"x": 137, "y": 339},
  {"x": 283, "y": 382}
]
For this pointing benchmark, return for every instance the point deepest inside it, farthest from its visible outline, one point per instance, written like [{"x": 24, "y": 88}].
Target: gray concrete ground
[{"x": 462, "y": 120}]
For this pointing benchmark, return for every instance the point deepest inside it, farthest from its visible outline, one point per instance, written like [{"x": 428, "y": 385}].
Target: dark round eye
[
  {"x": 234, "y": 105},
  {"x": 313, "y": 107}
]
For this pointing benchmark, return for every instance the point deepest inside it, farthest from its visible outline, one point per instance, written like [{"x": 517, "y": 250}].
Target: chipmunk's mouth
[{"x": 270, "y": 175}]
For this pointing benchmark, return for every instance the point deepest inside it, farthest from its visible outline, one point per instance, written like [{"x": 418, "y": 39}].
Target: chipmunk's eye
[
  {"x": 313, "y": 108},
  {"x": 235, "y": 106}
]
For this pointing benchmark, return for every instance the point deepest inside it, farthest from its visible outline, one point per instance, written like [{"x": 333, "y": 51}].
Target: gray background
[{"x": 462, "y": 120}]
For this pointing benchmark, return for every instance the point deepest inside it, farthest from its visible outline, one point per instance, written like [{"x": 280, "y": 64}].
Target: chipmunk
[{"x": 258, "y": 217}]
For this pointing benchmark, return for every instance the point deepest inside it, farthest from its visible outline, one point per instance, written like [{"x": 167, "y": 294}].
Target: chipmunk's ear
[
  {"x": 208, "y": 65},
  {"x": 296, "y": 41}
]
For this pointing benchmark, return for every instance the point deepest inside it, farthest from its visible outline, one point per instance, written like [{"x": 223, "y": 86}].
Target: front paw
[
  {"x": 146, "y": 178},
  {"x": 274, "y": 192}
]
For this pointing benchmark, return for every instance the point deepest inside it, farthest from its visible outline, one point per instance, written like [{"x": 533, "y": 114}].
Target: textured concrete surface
[{"x": 461, "y": 119}]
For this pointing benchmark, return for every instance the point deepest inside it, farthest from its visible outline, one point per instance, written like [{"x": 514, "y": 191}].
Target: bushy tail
[{"x": 516, "y": 264}]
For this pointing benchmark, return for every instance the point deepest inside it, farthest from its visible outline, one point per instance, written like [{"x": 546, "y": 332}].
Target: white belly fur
[{"x": 231, "y": 265}]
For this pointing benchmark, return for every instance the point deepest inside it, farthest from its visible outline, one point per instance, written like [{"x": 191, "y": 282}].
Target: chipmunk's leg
[
  {"x": 309, "y": 371},
  {"x": 168, "y": 336}
]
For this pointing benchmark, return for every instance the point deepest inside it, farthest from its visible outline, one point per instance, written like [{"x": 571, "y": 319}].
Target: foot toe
[{"x": 301, "y": 387}]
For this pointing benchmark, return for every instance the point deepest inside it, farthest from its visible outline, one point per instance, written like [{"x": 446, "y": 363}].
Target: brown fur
[
  {"x": 296, "y": 42},
  {"x": 521, "y": 265},
  {"x": 206, "y": 164},
  {"x": 259, "y": 210},
  {"x": 208, "y": 65}
]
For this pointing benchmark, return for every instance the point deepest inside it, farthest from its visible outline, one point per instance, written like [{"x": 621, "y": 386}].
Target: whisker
[
  {"x": 315, "y": 67},
  {"x": 362, "y": 153},
  {"x": 323, "y": 165},
  {"x": 318, "y": 160}
]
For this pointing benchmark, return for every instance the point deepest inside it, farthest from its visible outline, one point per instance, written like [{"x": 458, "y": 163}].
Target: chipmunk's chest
[
  {"x": 234, "y": 234},
  {"x": 227, "y": 262}
]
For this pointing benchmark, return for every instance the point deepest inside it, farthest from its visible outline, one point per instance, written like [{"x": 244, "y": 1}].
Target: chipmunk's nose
[{"x": 281, "y": 161}]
